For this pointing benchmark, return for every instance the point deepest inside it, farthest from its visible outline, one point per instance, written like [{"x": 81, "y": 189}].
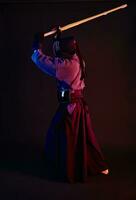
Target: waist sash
[{"x": 66, "y": 96}]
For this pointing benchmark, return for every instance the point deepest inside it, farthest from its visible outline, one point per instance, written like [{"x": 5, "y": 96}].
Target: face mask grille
[
  {"x": 65, "y": 45},
  {"x": 56, "y": 47}
]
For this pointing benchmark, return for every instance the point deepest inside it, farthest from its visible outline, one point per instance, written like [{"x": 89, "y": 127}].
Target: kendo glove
[
  {"x": 38, "y": 41},
  {"x": 57, "y": 34}
]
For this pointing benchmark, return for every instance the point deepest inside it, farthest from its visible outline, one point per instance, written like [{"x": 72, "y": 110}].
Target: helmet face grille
[
  {"x": 65, "y": 45},
  {"x": 56, "y": 47}
]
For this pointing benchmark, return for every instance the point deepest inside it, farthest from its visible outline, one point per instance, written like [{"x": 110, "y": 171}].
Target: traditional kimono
[{"x": 71, "y": 149}]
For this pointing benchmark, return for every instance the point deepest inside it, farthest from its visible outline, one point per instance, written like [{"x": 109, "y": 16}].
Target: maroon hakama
[{"x": 71, "y": 147}]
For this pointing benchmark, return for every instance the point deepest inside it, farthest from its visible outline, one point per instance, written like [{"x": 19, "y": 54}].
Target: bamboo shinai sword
[{"x": 74, "y": 24}]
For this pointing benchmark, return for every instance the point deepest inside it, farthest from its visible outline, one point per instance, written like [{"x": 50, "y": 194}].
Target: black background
[{"x": 28, "y": 97}]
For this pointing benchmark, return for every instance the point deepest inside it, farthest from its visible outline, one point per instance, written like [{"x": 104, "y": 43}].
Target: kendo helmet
[{"x": 64, "y": 46}]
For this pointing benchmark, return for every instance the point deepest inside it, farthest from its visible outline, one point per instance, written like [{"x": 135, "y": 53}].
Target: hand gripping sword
[{"x": 74, "y": 24}]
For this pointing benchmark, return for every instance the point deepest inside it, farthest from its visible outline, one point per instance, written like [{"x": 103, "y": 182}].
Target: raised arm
[{"x": 42, "y": 61}]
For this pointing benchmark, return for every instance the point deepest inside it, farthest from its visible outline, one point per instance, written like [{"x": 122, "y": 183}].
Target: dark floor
[{"x": 26, "y": 181}]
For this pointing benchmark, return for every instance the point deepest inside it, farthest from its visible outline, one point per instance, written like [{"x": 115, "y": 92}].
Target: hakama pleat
[{"x": 72, "y": 151}]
